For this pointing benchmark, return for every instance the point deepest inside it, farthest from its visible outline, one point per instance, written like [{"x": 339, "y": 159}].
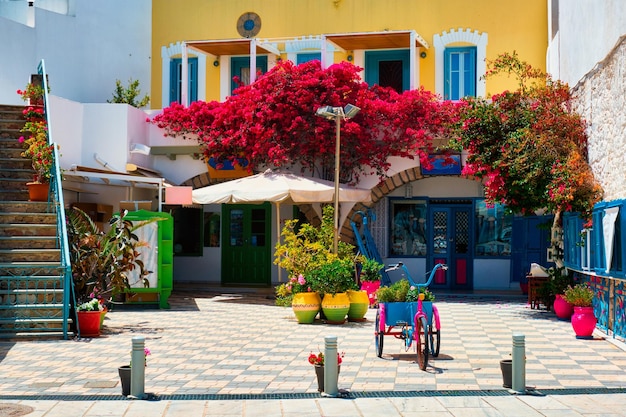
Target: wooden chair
[{"x": 534, "y": 296}]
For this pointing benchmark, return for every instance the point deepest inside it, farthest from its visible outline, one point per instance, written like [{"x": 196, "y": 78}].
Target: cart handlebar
[{"x": 401, "y": 265}]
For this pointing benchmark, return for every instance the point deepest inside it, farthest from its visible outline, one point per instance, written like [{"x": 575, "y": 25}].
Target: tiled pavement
[{"x": 237, "y": 354}]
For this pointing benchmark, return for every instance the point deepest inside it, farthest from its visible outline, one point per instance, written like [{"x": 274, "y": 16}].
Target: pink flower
[{"x": 301, "y": 279}]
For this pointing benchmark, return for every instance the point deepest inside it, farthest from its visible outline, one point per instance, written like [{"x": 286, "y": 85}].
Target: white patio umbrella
[{"x": 278, "y": 187}]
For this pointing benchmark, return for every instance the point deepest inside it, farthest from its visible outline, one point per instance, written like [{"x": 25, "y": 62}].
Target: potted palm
[
  {"x": 583, "y": 320},
  {"x": 101, "y": 260}
]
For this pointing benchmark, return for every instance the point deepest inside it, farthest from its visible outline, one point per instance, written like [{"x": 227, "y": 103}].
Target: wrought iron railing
[{"x": 56, "y": 197}]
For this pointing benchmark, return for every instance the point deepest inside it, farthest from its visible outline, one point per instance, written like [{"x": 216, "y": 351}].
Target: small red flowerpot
[
  {"x": 562, "y": 308},
  {"x": 371, "y": 287}
]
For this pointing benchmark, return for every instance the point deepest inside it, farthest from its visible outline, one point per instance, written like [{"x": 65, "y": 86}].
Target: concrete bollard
[
  {"x": 330, "y": 367},
  {"x": 518, "y": 356},
  {"x": 138, "y": 368}
]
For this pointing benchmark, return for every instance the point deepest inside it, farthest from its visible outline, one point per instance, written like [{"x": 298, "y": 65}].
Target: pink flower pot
[
  {"x": 371, "y": 287},
  {"x": 583, "y": 322},
  {"x": 562, "y": 308}
]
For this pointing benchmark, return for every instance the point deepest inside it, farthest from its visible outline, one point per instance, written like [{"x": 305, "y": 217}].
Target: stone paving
[{"x": 230, "y": 344}]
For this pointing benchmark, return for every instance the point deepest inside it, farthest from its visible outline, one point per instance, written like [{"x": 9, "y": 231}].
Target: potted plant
[
  {"x": 318, "y": 362},
  {"x": 304, "y": 302},
  {"x": 101, "y": 260},
  {"x": 33, "y": 94},
  {"x": 333, "y": 279},
  {"x": 583, "y": 320},
  {"x": 559, "y": 281},
  {"x": 400, "y": 300},
  {"x": 370, "y": 277}
]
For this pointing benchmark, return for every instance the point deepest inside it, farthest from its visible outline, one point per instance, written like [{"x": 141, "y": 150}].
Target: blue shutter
[
  {"x": 302, "y": 58},
  {"x": 237, "y": 64},
  {"x": 459, "y": 72}
]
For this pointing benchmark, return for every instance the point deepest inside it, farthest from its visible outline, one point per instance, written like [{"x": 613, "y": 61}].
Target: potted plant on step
[
  {"x": 101, "y": 260},
  {"x": 583, "y": 320}
]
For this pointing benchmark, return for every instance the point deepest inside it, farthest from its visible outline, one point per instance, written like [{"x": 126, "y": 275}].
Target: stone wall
[{"x": 599, "y": 98}]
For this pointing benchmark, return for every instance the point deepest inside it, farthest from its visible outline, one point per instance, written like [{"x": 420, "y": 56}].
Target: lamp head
[
  {"x": 350, "y": 111},
  {"x": 327, "y": 112}
]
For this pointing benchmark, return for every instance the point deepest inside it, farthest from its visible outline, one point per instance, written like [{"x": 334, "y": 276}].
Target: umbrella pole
[{"x": 278, "y": 237}]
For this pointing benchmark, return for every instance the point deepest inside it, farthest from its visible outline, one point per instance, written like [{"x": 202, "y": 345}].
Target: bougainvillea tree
[
  {"x": 273, "y": 123},
  {"x": 527, "y": 145}
]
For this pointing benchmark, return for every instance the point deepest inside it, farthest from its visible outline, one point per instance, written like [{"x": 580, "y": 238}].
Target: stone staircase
[{"x": 31, "y": 277}]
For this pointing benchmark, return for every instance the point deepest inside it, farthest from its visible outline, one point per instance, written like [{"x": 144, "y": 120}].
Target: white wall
[
  {"x": 84, "y": 53},
  {"x": 588, "y": 30}
]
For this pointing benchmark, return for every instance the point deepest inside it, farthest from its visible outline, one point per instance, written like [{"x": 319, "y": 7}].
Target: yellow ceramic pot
[
  {"x": 336, "y": 307},
  {"x": 359, "y": 303},
  {"x": 305, "y": 306}
]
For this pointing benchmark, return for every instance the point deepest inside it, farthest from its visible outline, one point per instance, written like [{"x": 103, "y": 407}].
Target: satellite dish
[{"x": 249, "y": 24}]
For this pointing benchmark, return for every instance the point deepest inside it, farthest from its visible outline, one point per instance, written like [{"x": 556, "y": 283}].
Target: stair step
[
  {"x": 11, "y": 133},
  {"x": 10, "y": 143},
  {"x": 28, "y": 218},
  {"x": 16, "y": 184},
  {"x": 25, "y": 172},
  {"x": 28, "y": 336},
  {"x": 17, "y": 164},
  {"x": 30, "y": 255},
  {"x": 24, "y": 242},
  {"x": 13, "y": 195},
  {"x": 26, "y": 207},
  {"x": 16, "y": 229}
]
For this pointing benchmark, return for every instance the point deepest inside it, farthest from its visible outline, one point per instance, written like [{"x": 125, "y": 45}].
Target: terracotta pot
[
  {"x": 305, "y": 306},
  {"x": 583, "y": 322},
  {"x": 336, "y": 307},
  {"x": 562, "y": 308},
  {"x": 38, "y": 191},
  {"x": 359, "y": 303},
  {"x": 89, "y": 323}
]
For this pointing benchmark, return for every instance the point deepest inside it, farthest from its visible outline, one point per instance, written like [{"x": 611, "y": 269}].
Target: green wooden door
[{"x": 246, "y": 244}]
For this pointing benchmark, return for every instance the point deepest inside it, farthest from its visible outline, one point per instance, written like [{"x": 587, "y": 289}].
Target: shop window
[
  {"x": 493, "y": 230},
  {"x": 408, "y": 228}
]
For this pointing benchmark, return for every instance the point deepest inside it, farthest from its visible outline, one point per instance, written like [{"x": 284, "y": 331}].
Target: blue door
[
  {"x": 176, "y": 79},
  {"x": 529, "y": 244},
  {"x": 240, "y": 68},
  {"x": 452, "y": 244},
  {"x": 388, "y": 69}
]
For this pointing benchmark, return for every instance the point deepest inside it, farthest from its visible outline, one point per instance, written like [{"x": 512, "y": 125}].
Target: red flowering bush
[
  {"x": 527, "y": 145},
  {"x": 318, "y": 360},
  {"x": 272, "y": 122}
]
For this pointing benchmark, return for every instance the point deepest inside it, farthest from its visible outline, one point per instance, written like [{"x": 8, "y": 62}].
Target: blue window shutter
[
  {"x": 176, "y": 66},
  {"x": 242, "y": 64},
  {"x": 459, "y": 72}
]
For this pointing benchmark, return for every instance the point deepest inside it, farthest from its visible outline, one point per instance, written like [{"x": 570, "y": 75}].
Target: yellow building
[{"x": 444, "y": 46}]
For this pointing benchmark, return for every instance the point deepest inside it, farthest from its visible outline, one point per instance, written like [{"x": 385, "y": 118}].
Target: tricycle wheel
[
  {"x": 379, "y": 336},
  {"x": 421, "y": 339},
  {"x": 435, "y": 341}
]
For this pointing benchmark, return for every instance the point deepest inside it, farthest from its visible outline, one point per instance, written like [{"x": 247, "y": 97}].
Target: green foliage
[
  {"x": 129, "y": 95},
  {"x": 101, "y": 260},
  {"x": 579, "y": 295},
  {"x": 335, "y": 276},
  {"x": 527, "y": 146},
  {"x": 414, "y": 293},
  {"x": 394, "y": 293},
  {"x": 370, "y": 269}
]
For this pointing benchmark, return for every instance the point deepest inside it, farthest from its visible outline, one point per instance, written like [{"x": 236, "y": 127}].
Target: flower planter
[
  {"x": 319, "y": 373},
  {"x": 359, "y": 303},
  {"x": 583, "y": 322},
  {"x": 562, "y": 308},
  {"x": 305, "y": 306},
  {"x": 89, "y": 323},
  {"x": 124, "y": 372},
  {"x": 37, "y": 191},
  {"x": 506, "y": 366},
  {"x": 371, "y": 287},
  {"x": 336, "y": 307}
]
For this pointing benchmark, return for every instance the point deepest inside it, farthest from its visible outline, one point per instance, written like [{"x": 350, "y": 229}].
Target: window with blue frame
[
  {"x": 577, "y": 243},
  {"x": 240, "y": 68},
  {"x": 176, "y": 79},
  {"x": 388, "y": 69},
  {"x": 408, "y": 228},
  {"x": 459, "y": 72},
  {"x": 493, "y": 230},
  {"x": 607, "y": 246},
  {"x": 308, "y": 56}
]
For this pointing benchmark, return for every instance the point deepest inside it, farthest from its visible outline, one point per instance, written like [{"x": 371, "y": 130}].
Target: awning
[
  {"x": 232, "y": 47},
  {"x": 377, "y": 40}
]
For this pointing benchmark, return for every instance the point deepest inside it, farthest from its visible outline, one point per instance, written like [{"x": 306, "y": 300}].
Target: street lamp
[{"x": 337, "y": 113}]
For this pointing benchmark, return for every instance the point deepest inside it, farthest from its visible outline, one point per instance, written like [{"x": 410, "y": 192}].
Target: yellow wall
[{"x": 512, "y": 25}]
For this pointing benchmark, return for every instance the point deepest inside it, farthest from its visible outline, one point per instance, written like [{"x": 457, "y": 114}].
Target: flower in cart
[
  {"x": 413, "y": 294},
  {"x": 318, "y": 360}
]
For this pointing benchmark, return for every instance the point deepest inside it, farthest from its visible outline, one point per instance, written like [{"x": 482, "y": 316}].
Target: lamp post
[{"x": 337, "y": 113}]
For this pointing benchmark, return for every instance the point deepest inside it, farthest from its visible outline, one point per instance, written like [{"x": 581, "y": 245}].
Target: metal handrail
[{"x": 56, "y": 191}]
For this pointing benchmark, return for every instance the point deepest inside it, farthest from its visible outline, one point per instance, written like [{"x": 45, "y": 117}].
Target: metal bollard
[
  {"x": 138, "y": 369},
  {"x": 330, "y": 367},
  {"x": 518, "y": 356}
]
